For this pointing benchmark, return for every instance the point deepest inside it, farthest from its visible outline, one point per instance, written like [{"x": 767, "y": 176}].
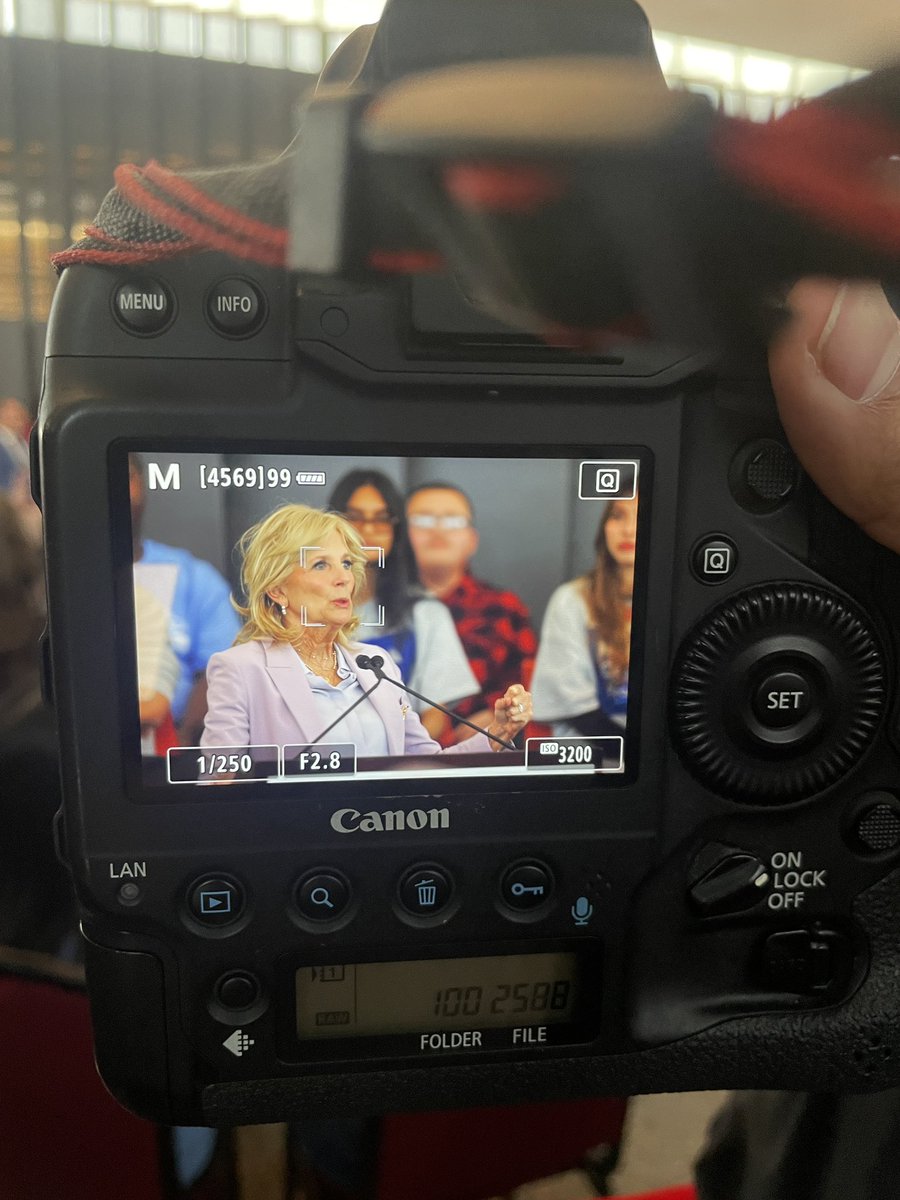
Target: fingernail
[{"x": 858, "y": 349}]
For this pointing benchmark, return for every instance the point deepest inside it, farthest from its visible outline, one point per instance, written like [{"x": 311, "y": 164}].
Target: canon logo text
[{"x": 350, "y": 820}]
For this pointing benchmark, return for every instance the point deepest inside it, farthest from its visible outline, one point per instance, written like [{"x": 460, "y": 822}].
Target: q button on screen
[{"x": 608, "y": 479}]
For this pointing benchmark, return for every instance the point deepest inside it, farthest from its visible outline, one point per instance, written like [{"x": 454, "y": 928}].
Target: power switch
[{"x": 725, "y": 879}]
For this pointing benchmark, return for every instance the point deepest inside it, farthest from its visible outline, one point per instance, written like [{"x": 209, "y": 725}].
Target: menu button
[{"x": 143, "y": 307}]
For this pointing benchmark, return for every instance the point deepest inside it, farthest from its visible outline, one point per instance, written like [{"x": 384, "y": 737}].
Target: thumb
[{"x": 836, "y": 375}]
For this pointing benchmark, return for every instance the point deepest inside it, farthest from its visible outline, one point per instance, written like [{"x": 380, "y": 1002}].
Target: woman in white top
[{"x": 580, "y": 681}]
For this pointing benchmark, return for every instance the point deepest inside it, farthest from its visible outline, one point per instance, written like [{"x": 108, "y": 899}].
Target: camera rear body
[{"x": 703, "y": 898}]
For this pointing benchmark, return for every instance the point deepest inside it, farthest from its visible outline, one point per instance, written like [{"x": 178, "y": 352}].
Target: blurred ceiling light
[
  {"x": 203, "y": 6},
  {"x": 347, "y": 14},
  {"x": 665, "y": 51},
  {"x": 700, "y": 61},
  {"x": 298, "y": 12},
  {"x": 769, "y": 75}
]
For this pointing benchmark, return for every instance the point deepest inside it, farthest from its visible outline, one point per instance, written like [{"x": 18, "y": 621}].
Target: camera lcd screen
[
  {"x": 433, "y": 995},
  {"x": 320, "y": 619}
]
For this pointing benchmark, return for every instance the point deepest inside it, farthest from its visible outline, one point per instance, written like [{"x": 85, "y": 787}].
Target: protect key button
[{"x": 526, "y": 886}]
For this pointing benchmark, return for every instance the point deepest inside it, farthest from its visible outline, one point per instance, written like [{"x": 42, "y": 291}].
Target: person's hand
[
  {"x": 512, "y": 712},
  {"x": 153, "y": 709},
  {"x": 836, "y": 375}
]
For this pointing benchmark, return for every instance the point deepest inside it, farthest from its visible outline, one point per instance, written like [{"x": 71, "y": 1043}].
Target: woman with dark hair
[
  {"x": 395, "y": 612},
  {"x": 580, "y": 678}
]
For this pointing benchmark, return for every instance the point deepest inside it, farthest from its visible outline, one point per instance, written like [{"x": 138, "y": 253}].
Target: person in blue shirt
[{"x": 196, "y": 597}]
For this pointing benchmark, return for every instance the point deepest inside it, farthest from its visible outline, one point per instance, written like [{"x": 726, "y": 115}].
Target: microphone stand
[
  {"x": 376, "y": 662},
  {"x": 356, "y": 703}
]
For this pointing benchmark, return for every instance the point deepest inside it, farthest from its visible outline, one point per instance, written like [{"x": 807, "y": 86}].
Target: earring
[{"x": 283, "y": 608}]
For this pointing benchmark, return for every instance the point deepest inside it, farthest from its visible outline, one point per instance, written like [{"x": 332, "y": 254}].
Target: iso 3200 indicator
[{"x": 575, "y": 754}]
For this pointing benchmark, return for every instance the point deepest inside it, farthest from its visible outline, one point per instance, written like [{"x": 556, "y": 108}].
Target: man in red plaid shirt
[{"x": 493, "y": 625}]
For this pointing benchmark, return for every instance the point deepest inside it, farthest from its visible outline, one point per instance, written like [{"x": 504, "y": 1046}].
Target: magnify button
[{"x": 322, "y": 895}]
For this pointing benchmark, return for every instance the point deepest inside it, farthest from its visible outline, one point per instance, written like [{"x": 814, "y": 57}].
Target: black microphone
[{"x": 376, "y": 662}]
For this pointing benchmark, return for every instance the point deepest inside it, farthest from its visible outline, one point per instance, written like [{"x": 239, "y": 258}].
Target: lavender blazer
[{"x": 258, "y": 695}]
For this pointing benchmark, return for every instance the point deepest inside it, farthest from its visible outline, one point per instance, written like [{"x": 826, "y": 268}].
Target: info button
[{"x": 235, "y": 307}]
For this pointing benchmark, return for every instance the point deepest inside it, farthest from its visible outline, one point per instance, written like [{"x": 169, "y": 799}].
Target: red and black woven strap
[
  {"x": 822, "y": 162},
  {"x": 153, "y": 214},
  {"x": 818, "y": 160}
]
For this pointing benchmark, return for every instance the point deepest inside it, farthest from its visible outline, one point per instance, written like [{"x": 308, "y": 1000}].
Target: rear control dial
[{"x": 777, "y": 693}]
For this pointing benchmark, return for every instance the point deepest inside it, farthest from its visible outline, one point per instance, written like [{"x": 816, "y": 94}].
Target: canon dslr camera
[{"x": 700, "y": 892}]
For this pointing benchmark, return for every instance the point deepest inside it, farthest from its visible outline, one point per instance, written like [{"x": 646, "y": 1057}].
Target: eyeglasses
[
  {"x": 429, "y": 521},
  {"x": 382, "y": 520}
]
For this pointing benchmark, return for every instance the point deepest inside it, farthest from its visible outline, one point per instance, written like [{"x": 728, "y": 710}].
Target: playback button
[{"x": 214, "y": 901}]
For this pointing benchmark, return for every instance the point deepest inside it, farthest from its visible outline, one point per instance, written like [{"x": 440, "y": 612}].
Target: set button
[{"x": 784, "y": 698}]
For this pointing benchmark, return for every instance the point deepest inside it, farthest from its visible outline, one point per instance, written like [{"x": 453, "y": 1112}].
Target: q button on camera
[
  {"x": 714, "y": 559},
  {"x": 322, "y": 896}
]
